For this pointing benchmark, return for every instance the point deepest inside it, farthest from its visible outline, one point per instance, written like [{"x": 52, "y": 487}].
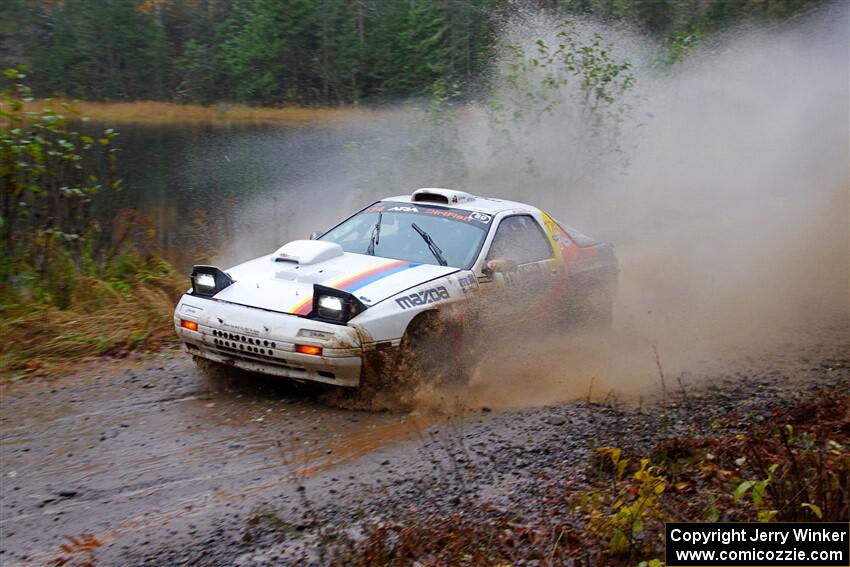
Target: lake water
[{"x": 227, "y": 193}]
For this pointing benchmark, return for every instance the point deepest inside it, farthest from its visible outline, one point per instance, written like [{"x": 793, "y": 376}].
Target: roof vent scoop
[
  {"x": 306, "y": 252},
  {"x": 441, "y": 196}
]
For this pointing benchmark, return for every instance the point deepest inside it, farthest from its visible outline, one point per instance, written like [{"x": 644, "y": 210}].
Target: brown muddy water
[
  {"x": 129, "y": 446},
  {"x": 146, "y": 454}
]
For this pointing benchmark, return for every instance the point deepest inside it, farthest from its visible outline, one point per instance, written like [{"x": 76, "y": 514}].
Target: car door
[{"x": 519, "y": 269}]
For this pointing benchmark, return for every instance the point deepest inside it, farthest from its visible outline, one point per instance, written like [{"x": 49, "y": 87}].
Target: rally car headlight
[
  {"x": 209, "y": 280},
  {"x": 334, "y": 305},
  {"x": 205, "y": 281},
  {"x": 330, "y": 307}
]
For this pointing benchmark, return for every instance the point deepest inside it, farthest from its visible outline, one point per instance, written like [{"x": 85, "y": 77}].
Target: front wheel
[{"x": 432, "y": 353}]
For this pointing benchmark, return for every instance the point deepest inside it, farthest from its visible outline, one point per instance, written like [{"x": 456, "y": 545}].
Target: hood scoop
[{"x": 307, "y": 252}]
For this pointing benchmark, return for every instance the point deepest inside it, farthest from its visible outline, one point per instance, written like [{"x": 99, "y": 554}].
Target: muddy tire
[
  {"x": 429, "y": 356},
  {"x": 431, "y": 352}
]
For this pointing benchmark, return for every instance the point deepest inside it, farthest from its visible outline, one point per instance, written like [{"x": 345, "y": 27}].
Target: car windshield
[{"x": 456, "y": 234}]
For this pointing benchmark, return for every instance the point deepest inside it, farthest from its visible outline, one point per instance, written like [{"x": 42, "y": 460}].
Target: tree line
[{"x": 269, "y": 52}]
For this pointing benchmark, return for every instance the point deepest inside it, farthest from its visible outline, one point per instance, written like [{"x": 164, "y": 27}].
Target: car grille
[
  {"x": 250, "y": 348},
  {"x": 243, "y": 342}
]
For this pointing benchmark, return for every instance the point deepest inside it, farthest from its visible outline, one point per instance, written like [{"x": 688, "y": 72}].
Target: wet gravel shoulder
[{"x": 488, "y": 458}]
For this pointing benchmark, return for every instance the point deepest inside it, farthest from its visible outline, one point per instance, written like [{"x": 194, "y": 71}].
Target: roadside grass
[
  {"x": 787, "y": 465},
  {"x": 153, "y": 112},
  {"x": 71, "y": 285},
  {"x": 111, "y": 316}
]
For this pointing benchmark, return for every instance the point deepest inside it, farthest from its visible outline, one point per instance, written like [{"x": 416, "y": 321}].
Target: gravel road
[{"x": 162, "y": 468}]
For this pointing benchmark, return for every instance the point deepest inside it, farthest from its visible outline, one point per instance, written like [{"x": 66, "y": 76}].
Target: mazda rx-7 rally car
[{"x": 410, "y": 277}]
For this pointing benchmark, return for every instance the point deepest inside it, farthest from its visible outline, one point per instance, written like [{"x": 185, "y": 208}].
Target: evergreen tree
[
  {"x": 271, "y": 52},
  {"x": 102, "y": 49}
]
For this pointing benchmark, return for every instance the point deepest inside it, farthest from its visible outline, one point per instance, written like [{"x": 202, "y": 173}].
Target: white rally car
[{"x": 381, "y": 280}]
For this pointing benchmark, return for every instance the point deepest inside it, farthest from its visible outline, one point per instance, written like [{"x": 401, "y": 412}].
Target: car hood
[{"x": 278, "y": 283}]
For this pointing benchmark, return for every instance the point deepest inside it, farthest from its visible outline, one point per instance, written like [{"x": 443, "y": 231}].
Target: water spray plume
[{"x": 725, "y": 192}]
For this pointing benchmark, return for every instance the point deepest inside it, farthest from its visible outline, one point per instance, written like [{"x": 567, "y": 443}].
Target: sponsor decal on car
[
  {"x": 481, "y": 217},
  {"x": 565, "y": 250},
  {"x": 191, "y": 310},
  {"x": 239, "y": 328},
  {"x": 467, "y": 282},
  {"x": 481, "y": 220},
  {"x": 424, "y": 297},
  {"x": 356, "y": 281}
]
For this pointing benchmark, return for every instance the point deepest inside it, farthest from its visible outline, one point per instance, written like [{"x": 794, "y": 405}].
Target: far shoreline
[{"x": 219, "y": 114}]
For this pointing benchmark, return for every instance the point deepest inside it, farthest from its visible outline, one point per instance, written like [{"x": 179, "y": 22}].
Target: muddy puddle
[{"x": 137, "y": 445}]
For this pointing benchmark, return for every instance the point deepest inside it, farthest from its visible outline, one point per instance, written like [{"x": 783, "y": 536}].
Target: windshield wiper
[
  {"x": 432, "y": 246},
  {"x": 376, "y": 236}
]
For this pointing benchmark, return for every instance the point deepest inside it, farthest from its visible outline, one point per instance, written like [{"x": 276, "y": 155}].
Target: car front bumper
[{"x": 264, "y": 341}]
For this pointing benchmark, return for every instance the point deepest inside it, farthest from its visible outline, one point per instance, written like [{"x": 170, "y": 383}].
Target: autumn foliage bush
[
  {"x": 793, "y": 465},
  {"x": 72, "y": 284}
]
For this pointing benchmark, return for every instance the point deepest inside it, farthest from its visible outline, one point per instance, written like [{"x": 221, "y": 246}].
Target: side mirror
[
  {"x": 499, "y": 266},
  {"x": 314, "y": 235}
]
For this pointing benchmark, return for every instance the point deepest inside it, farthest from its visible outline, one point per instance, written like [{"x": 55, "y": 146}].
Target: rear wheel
[
  {"x": 601, "y": 307},
  {"x": 591, "y": 305}
]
